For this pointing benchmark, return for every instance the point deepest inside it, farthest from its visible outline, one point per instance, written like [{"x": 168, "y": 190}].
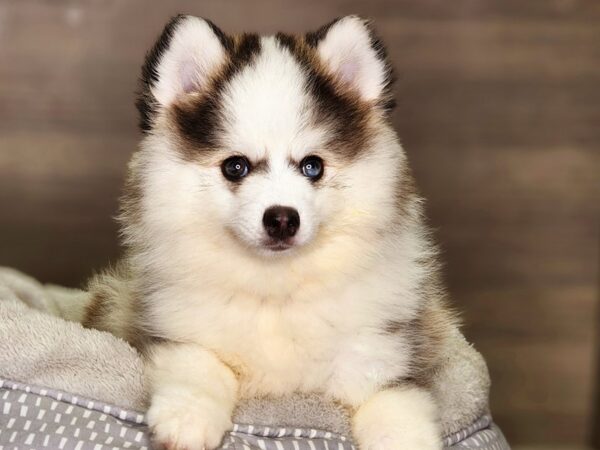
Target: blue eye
[
  {"x": 235, "y": 168},
  {"x": 312, "y": 167}
]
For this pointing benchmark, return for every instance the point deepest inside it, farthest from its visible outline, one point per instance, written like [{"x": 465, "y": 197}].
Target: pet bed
[{"x": 66, "y": 387}]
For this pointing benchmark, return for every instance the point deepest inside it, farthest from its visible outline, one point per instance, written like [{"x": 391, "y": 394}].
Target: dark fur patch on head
[
  {"x": 336, "y": 107},
  {"x": 343, "y": 113},
  {"x": 198, "y": 119}
]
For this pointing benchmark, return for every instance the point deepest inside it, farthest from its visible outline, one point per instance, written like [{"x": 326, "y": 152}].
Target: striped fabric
[{"x": 33, "y": 417}]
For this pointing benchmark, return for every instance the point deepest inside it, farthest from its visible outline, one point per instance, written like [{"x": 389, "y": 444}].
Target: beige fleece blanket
[{"x": 37, "y": 347}]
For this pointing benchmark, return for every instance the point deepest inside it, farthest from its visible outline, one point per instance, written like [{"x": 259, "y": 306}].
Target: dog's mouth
[{"x": 278, "y": 245}]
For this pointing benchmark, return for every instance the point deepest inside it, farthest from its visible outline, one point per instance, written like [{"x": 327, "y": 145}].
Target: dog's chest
[{"x": 276, "y": 348}]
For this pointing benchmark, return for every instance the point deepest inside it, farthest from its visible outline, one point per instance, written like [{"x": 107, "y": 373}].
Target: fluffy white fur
[
  {"x": 250, "y": 321},
  {"x": 37, "y": 348},
  {"x": 402, "y": 418},
  {"x": 193, "y": 397}
]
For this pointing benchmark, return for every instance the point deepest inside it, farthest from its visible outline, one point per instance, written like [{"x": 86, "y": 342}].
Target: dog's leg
[
  {"x": 402, "y": 418},
  {"x": 192, "y": 397}
]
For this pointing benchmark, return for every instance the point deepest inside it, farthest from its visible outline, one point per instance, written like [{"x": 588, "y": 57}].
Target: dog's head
[{"x": 271, "y": 146}]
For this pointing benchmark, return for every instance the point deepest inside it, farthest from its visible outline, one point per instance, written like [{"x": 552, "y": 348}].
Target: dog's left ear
[{"x": 354, "y": 56}]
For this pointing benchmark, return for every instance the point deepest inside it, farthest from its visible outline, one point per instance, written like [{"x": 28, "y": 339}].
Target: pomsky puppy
[{"x": 274, "y": 240}]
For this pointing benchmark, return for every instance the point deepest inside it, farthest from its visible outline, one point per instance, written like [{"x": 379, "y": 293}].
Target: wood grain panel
[{"x": 499, "y": 111}]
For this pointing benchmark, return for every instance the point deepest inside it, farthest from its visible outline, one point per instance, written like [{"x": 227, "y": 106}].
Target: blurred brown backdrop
[{"x": 499, "y": 110}]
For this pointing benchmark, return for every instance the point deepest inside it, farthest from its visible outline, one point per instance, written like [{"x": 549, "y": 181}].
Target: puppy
[{"x": 274, "y": 241}]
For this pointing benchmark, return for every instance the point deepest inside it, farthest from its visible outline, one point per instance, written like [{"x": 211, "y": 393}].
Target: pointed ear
[
  {"x": 355, "y": 57},
  {"x": 187, "y": 54}
]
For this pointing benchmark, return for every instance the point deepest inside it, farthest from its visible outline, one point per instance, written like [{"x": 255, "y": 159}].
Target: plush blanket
[{"x": 38, "y": 348}]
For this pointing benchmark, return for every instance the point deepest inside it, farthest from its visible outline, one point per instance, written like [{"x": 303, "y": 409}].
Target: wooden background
[{"x": 499, "y": 110}]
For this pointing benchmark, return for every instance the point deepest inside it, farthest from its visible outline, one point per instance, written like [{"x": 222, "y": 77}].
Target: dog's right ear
[{"x": 189, "y": 51}]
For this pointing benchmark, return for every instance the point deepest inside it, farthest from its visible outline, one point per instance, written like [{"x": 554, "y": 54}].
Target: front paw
[
  {"x": 187, "y": 422},
  {"x": 397, "y": 419}
]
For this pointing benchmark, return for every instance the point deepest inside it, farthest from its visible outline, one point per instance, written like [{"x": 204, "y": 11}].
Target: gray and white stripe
[{"x": 33, "y": 417}]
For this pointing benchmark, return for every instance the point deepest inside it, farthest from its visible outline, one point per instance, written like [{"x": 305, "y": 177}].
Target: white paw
[
  {"x": 398, "y": 419},
  {"x": 187, "y": 422}
]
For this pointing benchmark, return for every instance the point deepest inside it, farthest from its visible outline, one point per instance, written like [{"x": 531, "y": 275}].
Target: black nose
[{"x": 281, "y": 222}]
